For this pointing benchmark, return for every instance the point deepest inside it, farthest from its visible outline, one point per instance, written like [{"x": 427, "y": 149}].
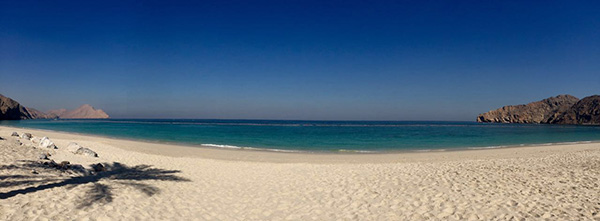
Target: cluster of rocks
[
  {"x": 75, "y": 168},
  {"x": 45, "y": 142},
  {"x": 45, "y": 159}
]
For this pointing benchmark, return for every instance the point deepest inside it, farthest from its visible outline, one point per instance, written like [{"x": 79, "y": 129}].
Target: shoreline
[
  {"x": 312, "y": 152},
  {"x": 269, "y": 156}
]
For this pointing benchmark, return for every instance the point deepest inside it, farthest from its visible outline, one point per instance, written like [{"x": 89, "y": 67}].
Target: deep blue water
[{"x": 323, "y": 135}]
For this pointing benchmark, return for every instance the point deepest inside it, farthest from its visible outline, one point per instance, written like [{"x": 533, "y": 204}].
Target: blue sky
[{"x": 320, "y": 60}]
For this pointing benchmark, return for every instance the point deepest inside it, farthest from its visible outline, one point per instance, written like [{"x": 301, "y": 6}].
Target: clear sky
[{"x": 329, "y": 60}]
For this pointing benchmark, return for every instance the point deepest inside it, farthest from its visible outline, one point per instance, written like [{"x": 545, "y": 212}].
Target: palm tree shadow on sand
[{"x": 117, "y": 175}]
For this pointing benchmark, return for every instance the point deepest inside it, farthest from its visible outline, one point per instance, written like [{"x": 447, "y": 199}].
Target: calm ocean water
[{"x": 323, "y": 135}]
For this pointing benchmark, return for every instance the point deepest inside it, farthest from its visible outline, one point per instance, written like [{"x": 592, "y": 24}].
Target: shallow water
[{"x": 323, "y": 135}]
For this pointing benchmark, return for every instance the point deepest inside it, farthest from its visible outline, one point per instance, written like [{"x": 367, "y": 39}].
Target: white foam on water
[
  {"x": 357, "y": 151},
  {"x": 249, "y": 148}
]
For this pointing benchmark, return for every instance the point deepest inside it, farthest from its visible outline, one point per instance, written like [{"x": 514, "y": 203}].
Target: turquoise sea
[{"x": 327, "y": 136}]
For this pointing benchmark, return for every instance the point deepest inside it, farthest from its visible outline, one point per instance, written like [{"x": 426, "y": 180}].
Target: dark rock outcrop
[
  {"x": 12, "y": 110},
  {"x": 535, "y": 112},
  {"x": 585, "y": 111}
]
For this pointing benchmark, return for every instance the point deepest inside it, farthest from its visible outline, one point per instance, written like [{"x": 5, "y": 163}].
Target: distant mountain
[
  {"x": 12, "y": 110},
  {"x": 85, "y": 111},
  {"x": 562, "y": 109},
  {"x": 57, "y": 112}
]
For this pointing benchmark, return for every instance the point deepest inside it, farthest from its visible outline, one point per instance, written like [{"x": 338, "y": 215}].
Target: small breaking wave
[
  {"x": 387, "y": 150},
  {"x": 249, "y": 148},
  {"x": 357, "y": 151},
  {"x": 223, "y": 146},
  {"x": 527, "y": 145}
]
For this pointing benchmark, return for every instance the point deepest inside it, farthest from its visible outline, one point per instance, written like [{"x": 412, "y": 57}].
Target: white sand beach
[{"x": 151, "y": 181}]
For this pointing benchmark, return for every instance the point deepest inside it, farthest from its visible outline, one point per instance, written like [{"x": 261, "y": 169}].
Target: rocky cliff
[
  {"x": 585, "y": 111},
  {"x": 534, "y": 112},
  {"x": 562, "y": 109},
  {"x": 12, "y": 110},
  {"x": 36, "y": 114}
]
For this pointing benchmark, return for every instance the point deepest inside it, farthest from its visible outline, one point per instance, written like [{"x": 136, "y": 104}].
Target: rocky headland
[
  {"x": 12, "y": 110},
  {"x": 562, "y": 109}
]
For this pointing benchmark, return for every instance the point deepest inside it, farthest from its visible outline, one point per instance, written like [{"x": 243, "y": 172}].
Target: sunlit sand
[{"x": 168, "y": 182}]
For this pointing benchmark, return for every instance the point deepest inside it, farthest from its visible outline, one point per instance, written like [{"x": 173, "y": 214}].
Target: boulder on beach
[
  {"x": 64, "y": 165},
  {"x": 47, "y": 143},
  {"x": 99, "y": 167},
  {"x": 14, "y": 134},
  {"x": 78, "y": 168},
  {"x": 26, "y": 136},
  {"x": 86, "y": 152},
  {"x": 77, "y": 149},
  {"x": 43, "y": 156},
  {"x": 36, "y": 140},
  {"x": 73, "y": 147}
]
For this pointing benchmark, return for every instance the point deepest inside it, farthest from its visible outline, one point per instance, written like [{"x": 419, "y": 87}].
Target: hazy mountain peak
[{"x": 84, "y": 111}]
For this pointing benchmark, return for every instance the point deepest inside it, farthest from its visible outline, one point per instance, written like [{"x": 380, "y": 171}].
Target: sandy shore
[{"x": 149, "y": 181}]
